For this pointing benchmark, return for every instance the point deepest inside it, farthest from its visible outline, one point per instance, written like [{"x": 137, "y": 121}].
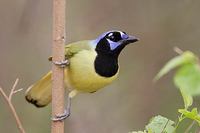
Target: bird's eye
[
  {"x": 114, "y": 36},
  {"x": 111, "y": 36}
]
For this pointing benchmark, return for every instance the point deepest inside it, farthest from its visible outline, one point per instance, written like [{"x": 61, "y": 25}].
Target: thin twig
[
  {"x": 9, "y": 102},
  {"x": 178, "y": 50},
  {"x": 189, "y": 127},
  {"x": 13, "y": 88},
  {"x": 16, "y": 91},
  {"x": 3, "y": 93}
]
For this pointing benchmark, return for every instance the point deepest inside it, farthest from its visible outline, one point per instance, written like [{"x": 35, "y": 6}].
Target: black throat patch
[
  {"x": 106, "y": 65},
  {"x": 106, "y": 62}
]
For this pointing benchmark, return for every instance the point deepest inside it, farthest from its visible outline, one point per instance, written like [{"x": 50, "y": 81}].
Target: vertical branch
[{"x": 58, "y": 72}]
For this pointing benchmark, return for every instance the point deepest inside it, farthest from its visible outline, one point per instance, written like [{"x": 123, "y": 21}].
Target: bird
[{"x": 89, "y": 66}]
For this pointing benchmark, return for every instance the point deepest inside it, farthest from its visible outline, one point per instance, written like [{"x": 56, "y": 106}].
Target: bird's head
[{"x": 112, "y": 42}]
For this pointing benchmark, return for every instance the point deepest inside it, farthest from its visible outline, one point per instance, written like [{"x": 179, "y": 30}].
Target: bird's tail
[{"x": 39, "y": 93}]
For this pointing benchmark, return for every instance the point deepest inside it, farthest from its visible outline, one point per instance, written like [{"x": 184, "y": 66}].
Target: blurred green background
[{"x": 127, "y": 104}]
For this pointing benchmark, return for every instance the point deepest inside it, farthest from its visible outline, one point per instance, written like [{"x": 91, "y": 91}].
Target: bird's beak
[{"x": 131, "y": 39}]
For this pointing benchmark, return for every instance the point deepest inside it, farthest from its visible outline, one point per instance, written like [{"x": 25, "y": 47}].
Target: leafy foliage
[
  {"x": 191, "y": 114},
  {"x": 187, "y": 99},
  {"x": 185, "y": 58},
  {"x": 159, "y": 124},
  {"x": 187, "y": 80}
]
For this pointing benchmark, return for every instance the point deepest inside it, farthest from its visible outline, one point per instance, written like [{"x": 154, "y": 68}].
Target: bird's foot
[
  {"x": 61, "y": 117},
  {"x": 62, "y": 64}
]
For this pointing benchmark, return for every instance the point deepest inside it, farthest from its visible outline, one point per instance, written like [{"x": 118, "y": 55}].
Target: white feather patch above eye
[
  {"x": 113, "y": 45},
  {"x": 111, "y": 35}
]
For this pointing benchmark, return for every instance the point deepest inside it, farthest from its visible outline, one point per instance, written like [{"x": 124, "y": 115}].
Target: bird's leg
[
  {"x": 67, "y": 111},
  {"x": 62, "y": 64}
]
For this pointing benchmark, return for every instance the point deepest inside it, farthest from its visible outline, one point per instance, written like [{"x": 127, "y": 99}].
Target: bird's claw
[
  {"x": 61, "y": 117},
  {"x": 62, "y": 64}
]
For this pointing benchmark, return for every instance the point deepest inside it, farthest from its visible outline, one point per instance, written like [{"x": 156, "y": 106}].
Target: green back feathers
[
  {"x": 39, "y": 93},
  {"x": 73, "y": 48}
]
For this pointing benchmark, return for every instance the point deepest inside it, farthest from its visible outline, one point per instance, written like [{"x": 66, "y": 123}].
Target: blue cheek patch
[{"x": 113, "y": 45}]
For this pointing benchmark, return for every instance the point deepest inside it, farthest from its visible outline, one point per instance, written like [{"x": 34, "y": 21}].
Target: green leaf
[
  {"x": 187, "y": 99},
  {"x": 186, "y": 57},
  {"x": 187, "y": 78},
  {"x": 160, "y": 124},
  {"x": 191, "y": 115}
]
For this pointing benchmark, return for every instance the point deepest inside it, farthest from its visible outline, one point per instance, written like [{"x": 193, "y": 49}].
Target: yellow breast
[{"x": 81, "y": 75}]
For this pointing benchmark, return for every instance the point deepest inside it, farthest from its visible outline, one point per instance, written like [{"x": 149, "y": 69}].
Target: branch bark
[
  {"x": 9, "y": 102},
  {"x": 58, "y": 72}
]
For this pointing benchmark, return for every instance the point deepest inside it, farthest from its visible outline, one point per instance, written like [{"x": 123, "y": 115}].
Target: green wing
[{"x": 73, "y": 48}]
